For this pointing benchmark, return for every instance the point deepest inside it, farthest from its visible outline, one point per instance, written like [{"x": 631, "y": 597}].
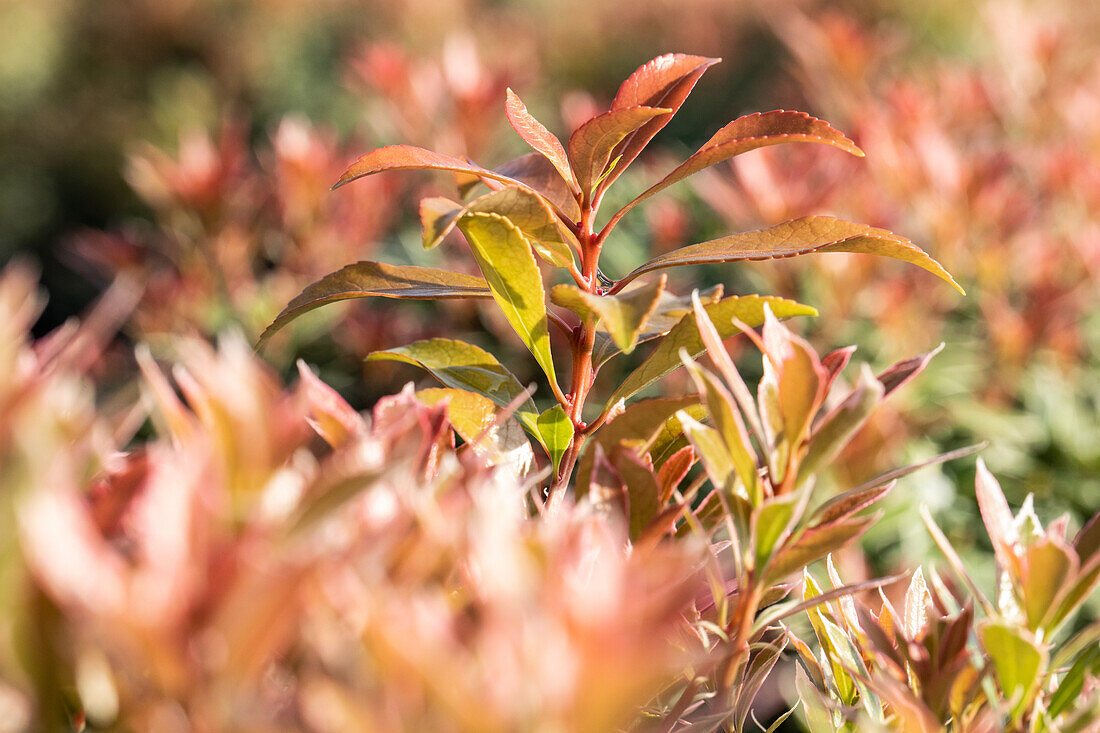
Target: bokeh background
[{"x": 190, "y": 144}]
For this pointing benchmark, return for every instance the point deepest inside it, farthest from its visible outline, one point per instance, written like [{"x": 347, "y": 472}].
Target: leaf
[
  {"x": 749, "y": 133},
  {"x": 1073, "y": 682},
  {"x": 642, "y": 491},
  {"x": 330, "y": 415},
  {"x": 409, "y": 157},
  {"x": 674, "y": 470},
  {"x": 711, "y": 450},
  {"x": 638, "y": 422},
  {"x": 771, "y": 521},
  {"x": 375, "y": 279},
  {"x": 904, "y": 371},
  {"x": 623, "y": 315},
  {"x": 528, "y": 211},
  {"x": 887, "y": 477},
  {"x": 669, "y": 311},
  {"x": 665, "y": 358},
  {"x": 1018, "y": 662},
  {"x": 836, "y": 428},
  {"x": 1087, "y": 542},
  {"x": 727, "y": 419},
  {"x": 1050, "y": 567},
  {"x": 591, "y": 144},
  {"x": 917, "y": 602},
  {"x": 815, "y": 543},
  {"x": 535, "y": 171},
  {"x": 535, "y": 134},
  {"x": 797, "y": 237},
  {"x": 848, "y": 503},
  {"x": 473, "y": 416},
  {"x": 514, "y": 279},
  {"x": 464, "y": 366},
  {"x": 799, "y": 379},
  {"x": 556, "y": 431},
  {"x": 1078, "y": 591},
  {"x": 998, "y": 520},
  {"x": 664, "y": 82}
]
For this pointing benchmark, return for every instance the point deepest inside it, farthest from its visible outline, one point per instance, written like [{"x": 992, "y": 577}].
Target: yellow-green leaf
[
  {"x": 1018, "y": 662},
  {"x": 712, "y": 451},
  {"x": 460, "y": 365},
  {"x": 513, "y": 276},
  {"x": 556, "y": 433},
  {"x": 473, "y": 416},
  {"x": 771, "y": 522},
  {"x": 669, "y": 311},
  {"x": 748, "y": 309},
  {"x": 623, "y": 315},
  {"x": 438, "y": 216},
  {"x": 375, "y": 279},
  {"x": 1050, "y": 568},
  {"x": 798, "y": 237},
  {"x": 836, "y": 428}
]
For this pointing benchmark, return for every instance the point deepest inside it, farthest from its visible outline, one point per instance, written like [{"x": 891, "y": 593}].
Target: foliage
[{"x": 546, "y": 204}]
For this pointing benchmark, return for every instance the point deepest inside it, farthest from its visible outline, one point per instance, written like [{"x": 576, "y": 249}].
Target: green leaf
[
  {"x": 535, "y": 134},
  {"x": 1073, "y": 683},
  {"x": 1050, "y": 568},
  {"x": 590, "y": 146},
  {"x": 461, "y": 365},
  {"x": 711, "y": 450},
  {"x": 1076, "y": 594},
  {"x": 749, "y": 133},
  {"x": 556, "y": 431},
  {"x": 639, "y": 422},
  {"x": 375, "y": 279},
  {"x": 835, "y": 430},
  {"x": 623, "y": 315},
  {"x": 798, "y": 237},
  {"x": 726, "y": 417},
  {"x": 669, "y": 311},
  {"x": 528, "y": 211},
  {"x": 771, "y": 521},
  {"x": 664, "y": 82},
  {"x": 1018, "y": 662},
  {"x": 473, "y": 416},
  {"x": 514, "y": 279},
  {"x": 665, "y": 358}
]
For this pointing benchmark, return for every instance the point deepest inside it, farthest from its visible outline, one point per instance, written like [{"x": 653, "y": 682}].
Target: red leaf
[
  {"x": 538, "y": 137},
  {"x": 409, "y": 157},
  {"x": 666, "y": 82},
  {"x": 591, "y": 144}
]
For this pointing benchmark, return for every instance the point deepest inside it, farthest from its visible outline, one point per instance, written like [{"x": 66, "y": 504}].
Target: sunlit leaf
[
  {"x": 664, "y": 82},
  {"x": 807, "y": 235},
  {"x": 535, "y": 134},
  {"x": 771, "y": 521},
  {"x": 474, "y": 417},
  {"x": 375, "y": 279},
  {"x": 749, "y": 133},
  {"x": 748, "y": 309},
  {"x": 1049, "y": 568},
  {"x": 438, "y": 216},
  {"x": 505, "y": 258},
  {"x": 623, "y": 315},
  {"x": 840, "y": 424},
  {"x": 330, "y": 415},
  {"x": 1018, "y": 662},
  {"x": 904, "y": 371},
  {"x": 674, "y": 470},
  {"x": 799, "y": 379},
  {"x": 591, "y": 144},
  {"x": 535, "y": 171},
  {"x": 1082, "y": 586},
  {"x": 998, "y": 520},
  {"x": 815, "y": 543},
  {"x": 409, "y": 157},
  {"x": 1073, "y": 682},
  {"x": 669, "y": 311},
  {"x": 917, "y": 604},
  {"x": 727, "y": 419},
  {"x": 461, "y": 365},
  {"x": 711, "y": 450},
  {"x": 638, "y": 422},
  {"x": 556, "y": 430},
  {"x": 848, "y": 503}
]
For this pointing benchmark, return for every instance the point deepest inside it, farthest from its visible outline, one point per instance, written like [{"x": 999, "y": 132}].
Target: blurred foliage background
[{"x": 190, "y": 144}]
